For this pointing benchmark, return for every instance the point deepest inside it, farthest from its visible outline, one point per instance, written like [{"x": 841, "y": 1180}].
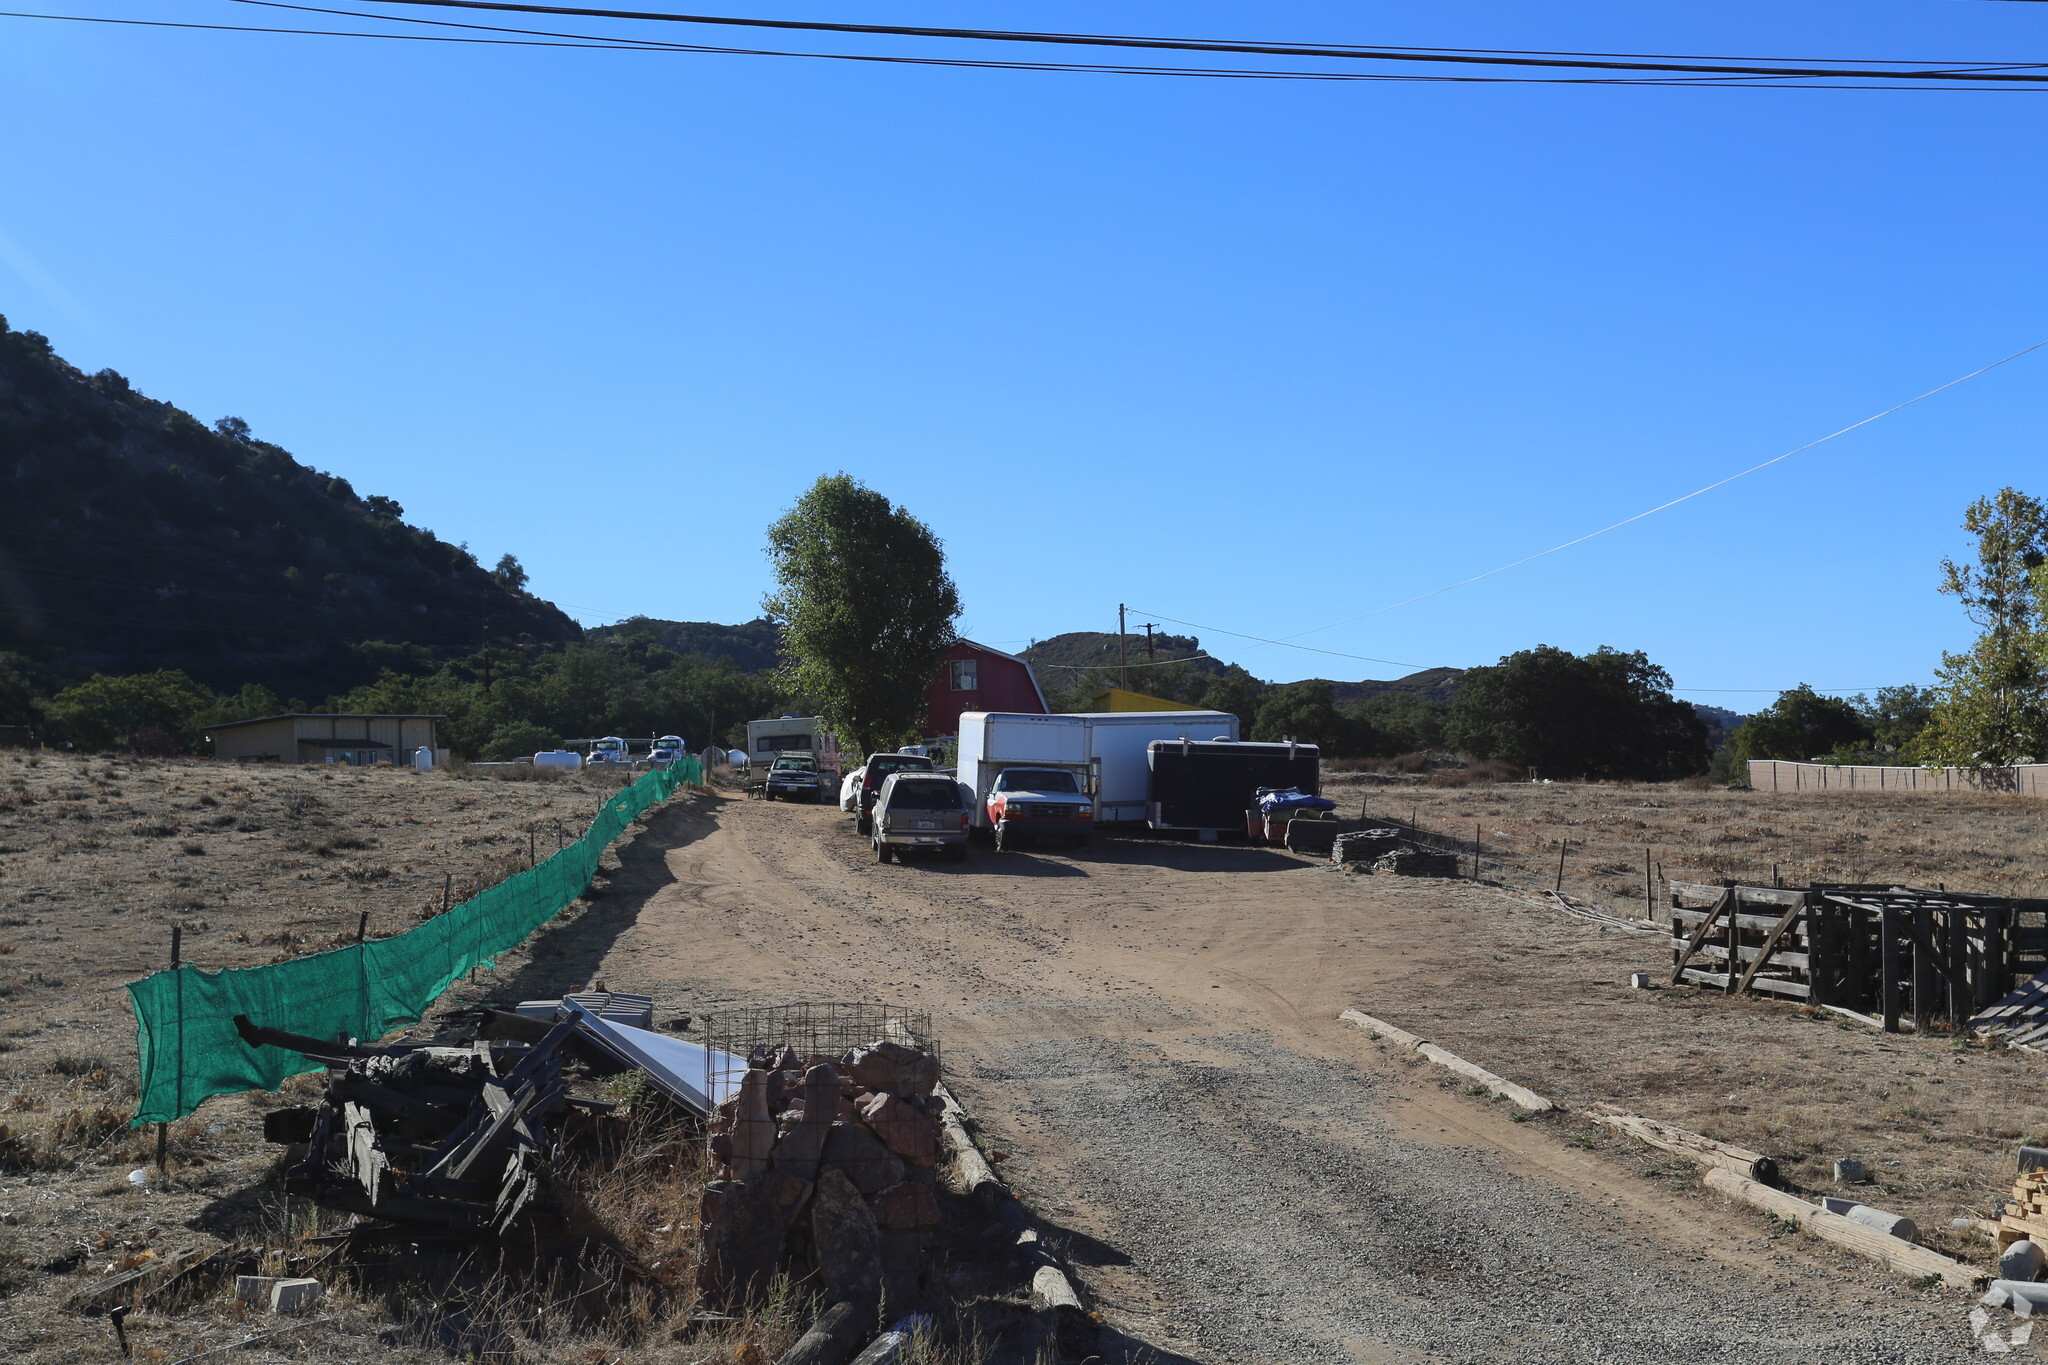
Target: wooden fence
[
  {"x": 1888, "y": 951},
  {"x": 1783, "y": 775}
]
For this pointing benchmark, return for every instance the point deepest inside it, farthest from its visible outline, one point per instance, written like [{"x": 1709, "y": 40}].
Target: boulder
[
  {"x": 746, "y": 1231},
  {"x": 798, "y": 1150},
  {"x": 894, "y": 1069},
  {"x": 863, "y": 1157},
  {"x": 753, "y": 1130},
  {"x": 906, "y": 1206},
  {"x": 905, "y": 1129},
  {"x": 847, "y": 1239}
]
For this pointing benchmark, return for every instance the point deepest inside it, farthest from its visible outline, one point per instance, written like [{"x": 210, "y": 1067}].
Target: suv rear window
[{"x": 925, "y": 796}]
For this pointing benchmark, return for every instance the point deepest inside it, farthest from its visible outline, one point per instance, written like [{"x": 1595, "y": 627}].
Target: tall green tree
[
  {"x": 1993, "y": 708},
  {"x": 1801, "y": 724},
  {"x": 866, "y": 609},
  {"x": 106, "y": 712},
  {"x": 1305, "y": 711},
  {"x": 1600, "y": 715}
]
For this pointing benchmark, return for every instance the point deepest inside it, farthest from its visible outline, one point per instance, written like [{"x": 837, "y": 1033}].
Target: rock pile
[
  {"x": 1417, "y": 862},
  {"x": 825, "y": 1164},
  {"x": 1366, "y": 845}
]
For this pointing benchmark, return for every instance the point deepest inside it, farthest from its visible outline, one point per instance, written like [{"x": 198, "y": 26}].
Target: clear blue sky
[{"x": 1261, "y": 356}]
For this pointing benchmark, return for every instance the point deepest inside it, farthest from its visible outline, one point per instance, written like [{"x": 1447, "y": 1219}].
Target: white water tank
[
  {"x": 558, "y": 758},
  {"x": 423, "y": 759}
]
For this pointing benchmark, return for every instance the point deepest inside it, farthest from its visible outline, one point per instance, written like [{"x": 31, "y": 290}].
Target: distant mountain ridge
[
  {"x": 134, "y": 538},
  {"x": 752, "y": 646},
  {"x": 1089, "y": 649}
]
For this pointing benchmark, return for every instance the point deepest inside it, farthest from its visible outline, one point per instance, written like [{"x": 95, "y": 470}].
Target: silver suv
[{"x": 920, "y": 810}]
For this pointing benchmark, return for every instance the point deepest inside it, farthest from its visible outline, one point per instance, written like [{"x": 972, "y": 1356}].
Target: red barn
[{"x": 974, "y": 677}]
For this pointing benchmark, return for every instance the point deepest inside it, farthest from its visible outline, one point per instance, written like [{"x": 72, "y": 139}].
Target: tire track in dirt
[{"x": 1148, "y": 1029}]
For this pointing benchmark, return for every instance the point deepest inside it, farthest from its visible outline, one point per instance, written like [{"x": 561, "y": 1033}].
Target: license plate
[{"x": 925, "y": 824}]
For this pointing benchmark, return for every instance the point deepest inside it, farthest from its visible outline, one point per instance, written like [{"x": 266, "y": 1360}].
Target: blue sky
[{"x": 1261, "y": 356}]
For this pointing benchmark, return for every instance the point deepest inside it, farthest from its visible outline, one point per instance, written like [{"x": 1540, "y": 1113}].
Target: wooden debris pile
[
  {"x": 442, "y": 1143},
  {"x": 827, "y": 1165},
  {"x": 2025, "y": 1218}
]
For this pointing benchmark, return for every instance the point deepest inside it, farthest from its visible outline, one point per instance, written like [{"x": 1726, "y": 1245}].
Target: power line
[
  {"x": 1787, "y": 79},
  {"x": 1526, "y": 57}
]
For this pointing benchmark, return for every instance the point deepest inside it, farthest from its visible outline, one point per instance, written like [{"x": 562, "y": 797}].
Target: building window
[{"x": 966, "y": 675}]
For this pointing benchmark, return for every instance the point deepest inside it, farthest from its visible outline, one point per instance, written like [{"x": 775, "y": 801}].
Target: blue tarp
[{"x": 1272, "y": 801}]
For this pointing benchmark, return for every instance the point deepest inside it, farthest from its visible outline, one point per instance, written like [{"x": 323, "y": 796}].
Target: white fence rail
[{"x": 1782, "y": 775}]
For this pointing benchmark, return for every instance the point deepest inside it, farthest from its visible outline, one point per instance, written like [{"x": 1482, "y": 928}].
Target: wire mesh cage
[{"x": 743, "y": 1036}]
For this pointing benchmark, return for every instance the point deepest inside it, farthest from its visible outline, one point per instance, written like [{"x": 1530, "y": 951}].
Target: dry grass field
[{"x": 1964, "y": 841}]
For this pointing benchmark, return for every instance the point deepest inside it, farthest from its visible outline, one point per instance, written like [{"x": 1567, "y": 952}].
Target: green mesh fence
[{"x": 185, "y": 1035}]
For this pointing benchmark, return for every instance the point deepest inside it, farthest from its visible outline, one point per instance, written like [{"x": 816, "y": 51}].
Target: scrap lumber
[
  {"x": 1506, "y": 1089},
  {"x": 1729, "y": 1157},
  {"x": 1906, "y": 1258},
  {"x": 978, "y": 1179}
]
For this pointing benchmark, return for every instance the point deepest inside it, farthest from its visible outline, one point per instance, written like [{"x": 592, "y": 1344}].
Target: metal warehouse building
[{"x": 304, "y": 737}]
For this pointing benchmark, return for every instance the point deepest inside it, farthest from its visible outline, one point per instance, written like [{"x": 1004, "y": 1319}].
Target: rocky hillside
[
  {"x": 134, "y": 537},
  {"x": 751, "y": 646},
  {"x": 1098, "y": 649}
]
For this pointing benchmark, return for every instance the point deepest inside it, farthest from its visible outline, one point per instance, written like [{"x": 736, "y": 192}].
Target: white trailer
[{"x": 1107, "y": 748}]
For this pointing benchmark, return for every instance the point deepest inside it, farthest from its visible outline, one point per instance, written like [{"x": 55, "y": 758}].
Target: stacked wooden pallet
[
  {"x": 2026, "y": 1211},
  {"x": 2019, "y": 1020}
]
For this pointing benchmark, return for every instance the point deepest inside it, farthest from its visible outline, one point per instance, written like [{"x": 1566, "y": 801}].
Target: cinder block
[
  {"x": 294, "y": 1296},
  {"x": 254, "y": 1289}
]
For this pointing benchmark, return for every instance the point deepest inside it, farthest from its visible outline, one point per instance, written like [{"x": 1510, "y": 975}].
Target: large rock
[
  {"x": 747, "y": 1230},
  {"x": 865, "y": 1159},
  {"x": 907, "y": 1206},
  {"x": 753, "y": 1128},
  {"x": 902, "y": 1272},
  {"x": 848, "y": 1241},
  {"x": 892, "y": 1068},
  {"x": 798, "y": 1150},
  {"x": 903, "y": 1127}
]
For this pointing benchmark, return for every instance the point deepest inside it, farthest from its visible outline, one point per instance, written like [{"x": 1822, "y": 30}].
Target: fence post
[
  {"x": 1888, "y": 964},
  {"x": 1561, "y": 848},
  {"x": 163, "y": 1130}
]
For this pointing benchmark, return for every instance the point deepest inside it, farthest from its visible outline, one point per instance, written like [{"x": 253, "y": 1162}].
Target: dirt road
[{"x": 1148, "y": 1031}]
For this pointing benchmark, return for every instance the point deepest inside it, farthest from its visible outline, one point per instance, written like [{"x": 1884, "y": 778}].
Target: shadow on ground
[{"x": 565, "y": 954}]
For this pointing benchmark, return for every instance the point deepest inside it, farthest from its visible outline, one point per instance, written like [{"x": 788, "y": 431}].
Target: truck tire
[
  {"x": 864, "y": 823},
  {"x": 881, "y": 851},
  {"x": 1002, "y": 845}
]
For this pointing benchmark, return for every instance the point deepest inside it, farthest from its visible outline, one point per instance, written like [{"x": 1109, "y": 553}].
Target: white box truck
[{"x": 1106, "y": 748}]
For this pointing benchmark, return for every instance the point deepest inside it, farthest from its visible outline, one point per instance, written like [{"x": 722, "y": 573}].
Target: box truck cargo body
[
  {"x": 1200, "y": 785},
  {"x": 1106, "y": 747}
]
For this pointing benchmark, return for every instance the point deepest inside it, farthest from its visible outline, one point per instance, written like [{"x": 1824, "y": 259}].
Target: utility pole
[
  {"x": 1147, "y": 628},
  {"x": 1123, "y": 667}
]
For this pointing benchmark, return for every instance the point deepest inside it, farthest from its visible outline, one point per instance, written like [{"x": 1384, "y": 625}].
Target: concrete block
[
  {"x": 254, "y": 1289},
  {"x": 2021, "y": 1261},
  {"x": 1849, "y": 1171},
  {"x": 294, "y": 1296}
]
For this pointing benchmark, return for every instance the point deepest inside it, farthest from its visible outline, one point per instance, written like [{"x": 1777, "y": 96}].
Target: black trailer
[{"x": 1208, "y": 784}]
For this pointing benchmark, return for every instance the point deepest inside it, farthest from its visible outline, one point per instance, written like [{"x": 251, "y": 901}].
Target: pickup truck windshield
[
  {"x": 925, "y": 796},
  {"x": 1036, "y": 780},
  {"x": 795, "y": 765}
]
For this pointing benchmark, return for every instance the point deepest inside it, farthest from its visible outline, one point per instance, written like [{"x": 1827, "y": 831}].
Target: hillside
[
  {"x": 1098, "y": 649},
  {"x": 751, "y": 647},
  {"x": 133, "y": 537}
]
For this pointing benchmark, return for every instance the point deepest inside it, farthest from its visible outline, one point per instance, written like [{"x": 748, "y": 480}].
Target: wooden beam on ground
[
  {"x": 1906, "y": 1258},
  {"x": 1703, "y": 1149},
  {"x": 1506, "y": 1089},
  {"x": 978, "y": 1179}
]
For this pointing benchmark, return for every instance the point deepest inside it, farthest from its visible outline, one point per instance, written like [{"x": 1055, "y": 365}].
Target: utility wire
[
  {"x": 1469, "y": 56},
  {"x": 1785, "y": 79}
]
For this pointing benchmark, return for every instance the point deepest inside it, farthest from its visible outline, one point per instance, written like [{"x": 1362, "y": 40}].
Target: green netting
[{"x": 185, "y": 1036}]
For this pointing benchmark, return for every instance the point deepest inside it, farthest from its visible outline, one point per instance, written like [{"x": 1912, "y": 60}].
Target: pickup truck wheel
[
  {"x": 864, "y": 823},
  {"x": 1002, "y": 845},
  {"x": 881, "y": 851}
]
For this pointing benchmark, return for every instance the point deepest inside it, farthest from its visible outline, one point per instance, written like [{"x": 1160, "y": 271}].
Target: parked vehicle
[
  {"x": 610, "y": 750},
  {"x": 794, "y": 777},
  {"x": 1104, "y": 749},
  {"x": 1209, "y": 786},
  {"x": 667, "y": 749},
  {"x": 1040, "y": 801},
  {"x": 919, "y": 808},
  {"x": 875, "y": 772}
]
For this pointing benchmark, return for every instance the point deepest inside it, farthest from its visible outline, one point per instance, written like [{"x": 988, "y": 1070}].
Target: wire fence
[{"x": 186, "y": 1043}]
